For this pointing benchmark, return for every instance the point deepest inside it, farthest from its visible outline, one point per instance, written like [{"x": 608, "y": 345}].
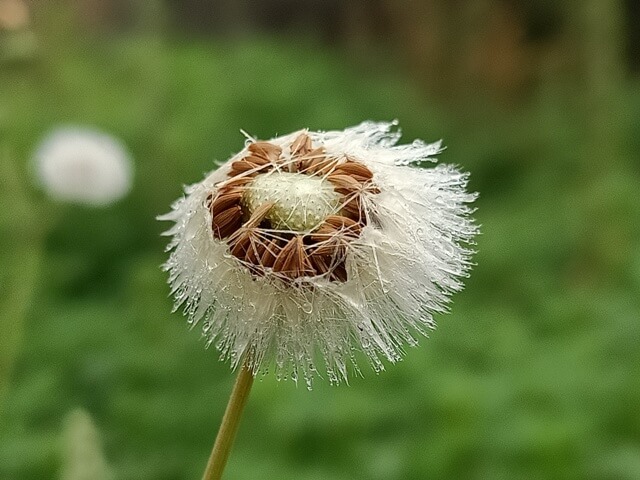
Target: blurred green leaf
[{"x": 83, "y": 458}]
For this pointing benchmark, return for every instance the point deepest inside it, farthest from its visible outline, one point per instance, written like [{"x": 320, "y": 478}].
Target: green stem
[
  {"x": 229, "y": 426},
  {"x": 21, "y": 251}
]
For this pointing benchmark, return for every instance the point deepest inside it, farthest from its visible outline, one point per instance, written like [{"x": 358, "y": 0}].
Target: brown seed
[
  {"x": 326, "y": 240},
  {"x": 240, "y": 245},
  {"x": 326, "y": 167},
  {"x": 245, "y": 167},
  {"x": 339, "y": 273},
  {"x": 320, "y": 263},
  {"x": 266, "y": 150},
  {"x": 257, "y": 160},
  {"x": 283, "y": 259},
  {"x": 229, "y": 190},
  {"x": 245, "y": 173},
  {"x": 334, "y": 265},
  {"x": 355, "y": 169},
  {"x": 234, "y": 182},
  {"x": 316, "y": 153},
  {"x": 360, "y": 178},
  {"x": 324, "y": 232},
  {"x": 344, "y": 224},
  {"x": 241, "y": 165},
  {"x": 332, "y": 248},
  {"x": 301, "y": 145},
  {"x": 258, "y": 215},
  {"x": 353, "y": 209},
  {"x": 304, "y": 268},
  {"x": 272, "y": 249},
  {"x": 224, "y": 201},
  {"x": 322, "y": 165},
  {"x": 344, "y": 184},
  {"x": 312, "y": 161},
  {"x": 292, "y": 260},
  {"x": 304, "y": 164},
  {"x": 255, "y": 251},
  {"x": 227, "y": 222}
]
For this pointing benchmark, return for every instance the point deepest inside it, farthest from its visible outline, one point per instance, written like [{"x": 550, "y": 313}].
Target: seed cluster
[{"x": 265, "y": 230}]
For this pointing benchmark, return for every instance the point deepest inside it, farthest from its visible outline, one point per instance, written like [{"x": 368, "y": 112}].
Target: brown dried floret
[
  {"x": 301, "y": 145},
  {"x": 352, "y": 208},
  {"x": 247, "y": 168},
  {"x": 240, "y": 244},
  {"x": 292, "y": 260},
  {"x": 339, "y": 273},
  {"x": 344, "y": 184},
  {"x": 227, "y": 222},
  {"x": 331, "y": 246},
  {"x": 271, "y": 251},
  {"x": 356, "y": 170},
  {"x": 324, "y": 251},
  {"x": 224, "y": 201},
  {"x": 319, "y": 262},
  {"x": 255, "y": 251},
  {"x": 234, "y": 182},
  {"x": 259, "y": 215},
  {"x": 257, "y": 160},
  {"x": 266, "y": 150},
  {"x": 343, "y": 224},
  {"x": 313, "y": 161}
]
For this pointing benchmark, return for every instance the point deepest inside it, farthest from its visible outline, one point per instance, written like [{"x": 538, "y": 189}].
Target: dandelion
[
  {"x": 83, "y": 166},
  {"x": 301, "y": 251}
]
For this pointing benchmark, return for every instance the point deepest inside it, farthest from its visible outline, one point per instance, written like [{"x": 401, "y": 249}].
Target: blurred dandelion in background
[{"x": 84, "y": 166}]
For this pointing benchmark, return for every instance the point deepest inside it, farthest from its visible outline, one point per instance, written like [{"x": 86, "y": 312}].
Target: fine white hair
[
  {"x": 81, "y": 165},
  {"x": 401, "y": 269}
]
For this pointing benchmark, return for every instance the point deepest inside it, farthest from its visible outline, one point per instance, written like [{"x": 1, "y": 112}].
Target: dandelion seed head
[{"x": 303, "y": 250}]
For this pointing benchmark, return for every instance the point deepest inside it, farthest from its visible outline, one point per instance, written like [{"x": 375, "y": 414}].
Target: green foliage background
[{"x": 534, "y": 375}]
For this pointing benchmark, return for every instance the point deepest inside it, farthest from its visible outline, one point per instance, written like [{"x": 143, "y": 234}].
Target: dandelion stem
[{"x": 229, "y": 426}]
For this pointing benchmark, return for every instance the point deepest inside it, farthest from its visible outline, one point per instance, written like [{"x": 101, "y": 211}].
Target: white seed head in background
[
  {"x": 84, "y": 166},
  {"x": 303, "y": 250}
]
